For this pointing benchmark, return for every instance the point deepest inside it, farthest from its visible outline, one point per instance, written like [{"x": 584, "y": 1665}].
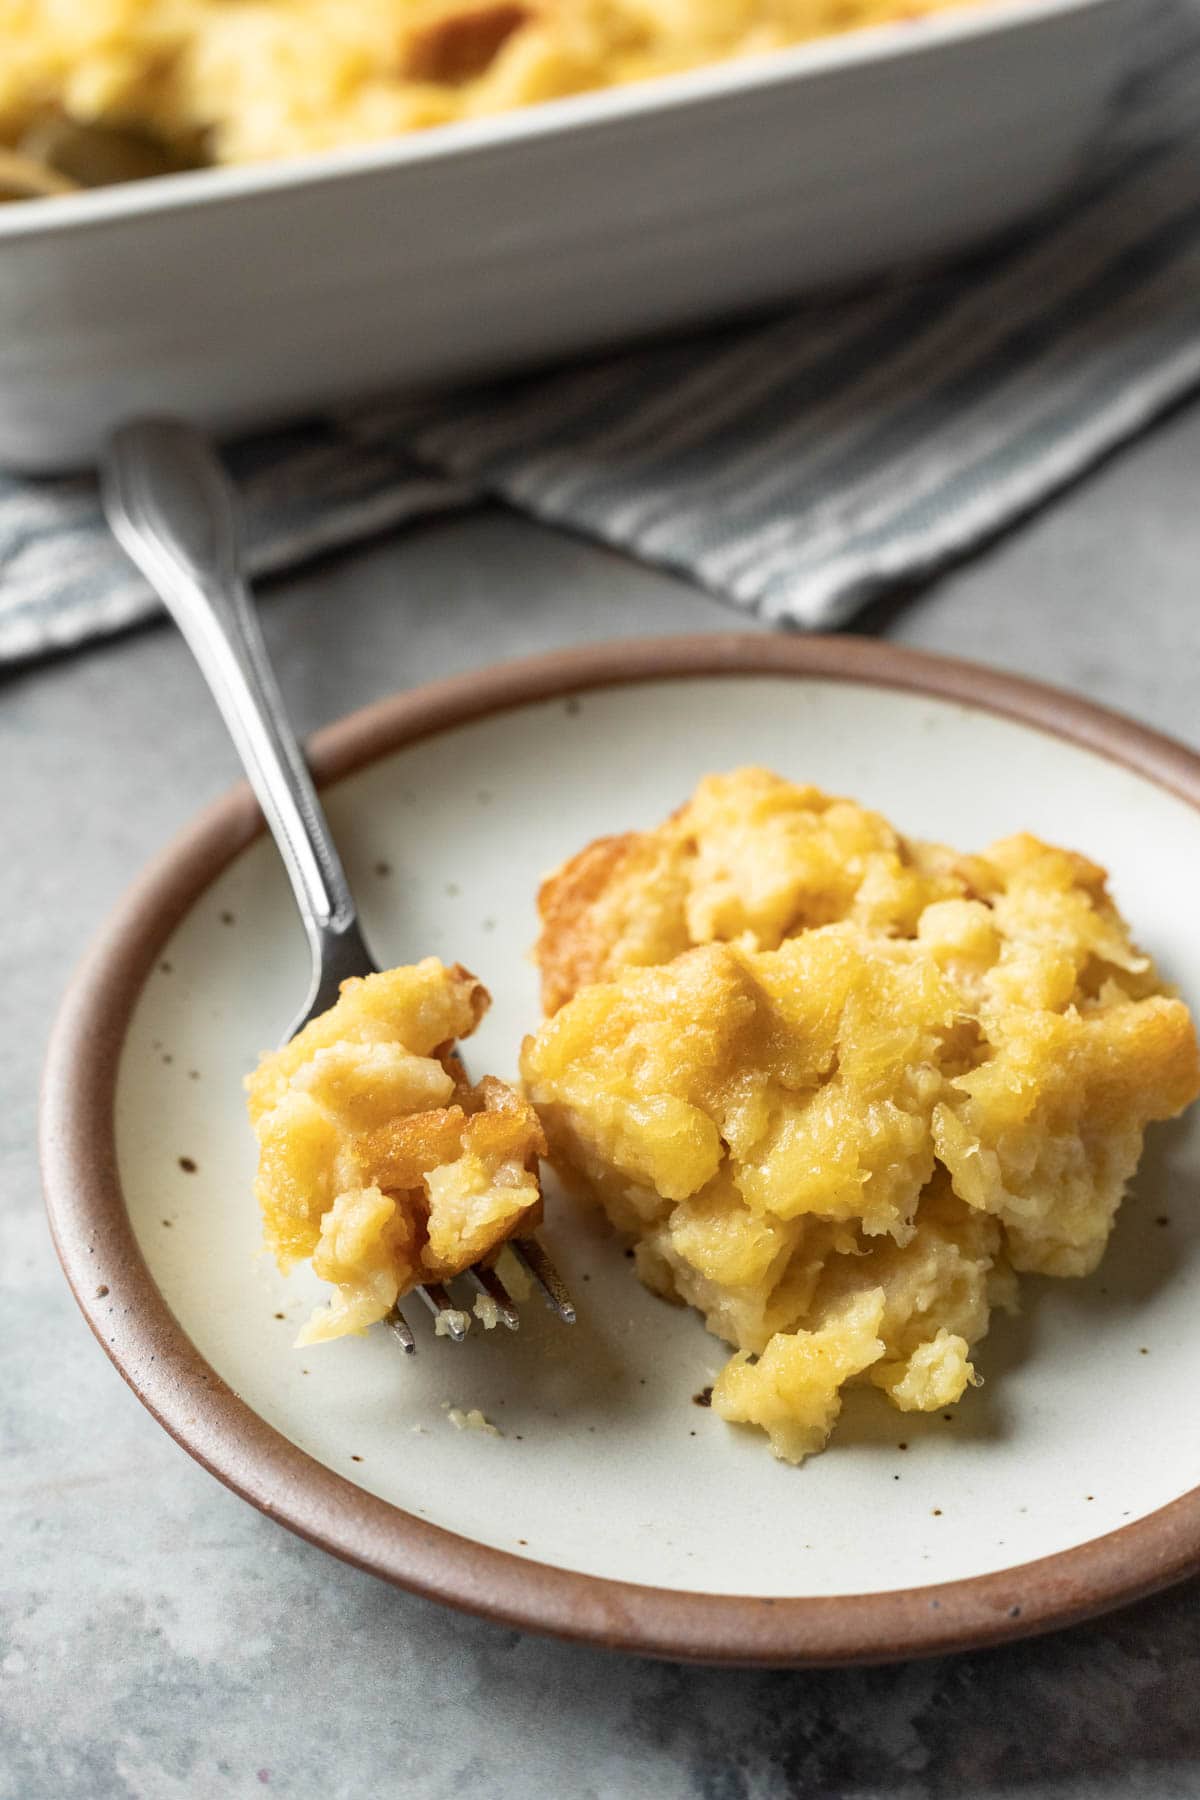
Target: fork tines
[
  {"x": 545, "y": 1277},
  {"x": 453, "y": 1321},
  {"x": 488, "y": 1283},
  {"x": 403, "y": 1331}
]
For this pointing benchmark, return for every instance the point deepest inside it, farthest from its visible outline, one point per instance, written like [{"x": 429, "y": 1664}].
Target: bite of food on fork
[
  {"x": 382, "y": 1164},
  {"x": 379, "y": 1160}
]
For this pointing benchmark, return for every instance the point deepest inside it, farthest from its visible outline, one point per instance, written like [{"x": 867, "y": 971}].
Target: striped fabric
[
  {"x": 797, "y": 467},
  {"x": 63, "y": 580}
]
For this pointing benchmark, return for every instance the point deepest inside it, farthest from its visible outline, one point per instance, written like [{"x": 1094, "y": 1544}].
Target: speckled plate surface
[{"x": 611, "y": 1507}]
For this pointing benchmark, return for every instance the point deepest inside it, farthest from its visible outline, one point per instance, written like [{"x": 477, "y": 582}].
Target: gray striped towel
[{"x": 796, "y": 467}]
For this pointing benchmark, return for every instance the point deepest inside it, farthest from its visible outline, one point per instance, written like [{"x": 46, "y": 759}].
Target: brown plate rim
[{"x": 127, "y": 1313}]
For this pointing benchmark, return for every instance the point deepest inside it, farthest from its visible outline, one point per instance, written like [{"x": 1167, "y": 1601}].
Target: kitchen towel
[{"x": 799, "y": 466}]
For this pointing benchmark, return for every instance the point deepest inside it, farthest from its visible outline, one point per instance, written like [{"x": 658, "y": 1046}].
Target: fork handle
[{"x": 171, "y": 508}]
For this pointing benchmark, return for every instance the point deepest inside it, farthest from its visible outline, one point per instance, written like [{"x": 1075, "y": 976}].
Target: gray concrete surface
[{"x": 161, "y": 1641}]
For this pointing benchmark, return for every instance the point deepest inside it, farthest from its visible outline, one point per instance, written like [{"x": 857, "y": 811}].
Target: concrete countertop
[{"x": 159, "y": 1640}]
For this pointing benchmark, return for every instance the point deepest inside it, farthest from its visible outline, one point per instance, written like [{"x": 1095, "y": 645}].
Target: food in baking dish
[
  {"x": 168, "y": 82},
  {"x": 838, "y": 1087},
  {"x": 378, "y": 1161}
]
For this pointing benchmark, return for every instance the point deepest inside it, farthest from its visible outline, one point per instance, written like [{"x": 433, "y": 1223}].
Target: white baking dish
[{"x": 242, "y": 295}]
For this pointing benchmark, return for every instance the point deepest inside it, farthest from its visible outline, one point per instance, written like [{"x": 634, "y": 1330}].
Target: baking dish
[{"x": 245, "y": 295}]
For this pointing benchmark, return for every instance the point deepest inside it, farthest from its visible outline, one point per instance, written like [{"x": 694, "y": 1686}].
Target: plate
[{"x": 610, "y": 1507}]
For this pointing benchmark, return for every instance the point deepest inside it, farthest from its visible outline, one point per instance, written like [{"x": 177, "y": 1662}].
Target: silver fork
[{"x": 171, "y": 508}]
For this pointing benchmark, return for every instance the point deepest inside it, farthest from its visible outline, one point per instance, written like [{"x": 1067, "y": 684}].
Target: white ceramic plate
[
  {"x": 234, "y": 296},
  {"x": 461, "y": 798}
]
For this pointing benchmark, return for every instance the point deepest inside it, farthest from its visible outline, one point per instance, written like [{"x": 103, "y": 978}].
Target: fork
[{"x": 171, "y": 508}]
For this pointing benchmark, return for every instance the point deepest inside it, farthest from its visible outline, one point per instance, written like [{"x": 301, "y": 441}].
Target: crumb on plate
[{"x": 471, "y": 1420}]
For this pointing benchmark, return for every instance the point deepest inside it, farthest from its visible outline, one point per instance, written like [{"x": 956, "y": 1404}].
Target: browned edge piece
[{"x": 128, "y": 1315}]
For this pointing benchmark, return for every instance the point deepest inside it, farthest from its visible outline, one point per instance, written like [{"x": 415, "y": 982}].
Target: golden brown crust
[
  {"x": 572, "y": 950},
  {"x": 477, "y": 997},
  {"x": 461, "y": 45},
  {"x": 400, "y": 1154}
]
